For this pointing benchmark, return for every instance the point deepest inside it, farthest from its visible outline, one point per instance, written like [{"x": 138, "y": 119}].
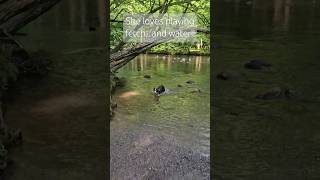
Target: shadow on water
[
  {"x": 267, "y": 139},
  {"x": 61, "y": 115}
]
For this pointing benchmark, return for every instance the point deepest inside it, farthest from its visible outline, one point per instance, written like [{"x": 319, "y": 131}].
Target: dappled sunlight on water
[{"x": 129, "y": 94}]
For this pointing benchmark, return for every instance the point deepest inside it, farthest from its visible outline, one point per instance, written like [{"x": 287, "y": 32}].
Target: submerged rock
[
  {"x": 147, "y": 76},
  {"x": 223, "y": 76},
  {"x": 196, "y": 90},
  {"x": 276, "y": 93},
  {"x": 92, "y": 28},
  {"x": 289, "y": 93},
  {"x": 189, "y": 82},
  {"x": 228, "y": 75},
  {"x": 272, "y": 93},
  {"x": 256, "y": 64}
]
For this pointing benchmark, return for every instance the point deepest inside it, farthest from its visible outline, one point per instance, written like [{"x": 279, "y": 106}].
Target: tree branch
[
  {"x": 121, "y": 58},
  {"x": 14, "y": 14}
]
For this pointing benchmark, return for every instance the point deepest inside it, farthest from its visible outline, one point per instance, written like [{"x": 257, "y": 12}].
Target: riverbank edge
[{"x": 185, "y": 54}]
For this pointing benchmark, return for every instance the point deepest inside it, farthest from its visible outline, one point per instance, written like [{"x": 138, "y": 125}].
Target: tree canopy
[{"x": 119, "y": 7}]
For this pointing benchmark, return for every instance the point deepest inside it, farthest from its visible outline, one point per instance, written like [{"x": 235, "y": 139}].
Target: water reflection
[
  {"x": 75, "y": 15},
  {"x": 186, "y": 64},
  {"x": 267, "y": 139},
  {"x": 249, "y": 18},
  {"x": 70, "y": 26}
]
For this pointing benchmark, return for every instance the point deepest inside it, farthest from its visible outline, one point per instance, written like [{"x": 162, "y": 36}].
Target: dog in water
[{"x": 157, "y": 92}]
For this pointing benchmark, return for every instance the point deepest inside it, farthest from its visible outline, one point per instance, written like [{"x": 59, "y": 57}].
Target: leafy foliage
[{"x": 119, "y": 7}]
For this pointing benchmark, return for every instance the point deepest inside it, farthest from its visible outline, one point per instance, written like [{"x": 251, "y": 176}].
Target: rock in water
[
  {"x": 196, "y": 90},
  {"x": 229, "y": 75},
  {"x": 159, "y": 90},
  {"x": 223, "y": 76},
  {"x": 92, "y": 28},
  {"x": 276, "y": 93},
  {"x": 273, "y": 93},
  {"x": 147, "y": 76},
  {"x": 289, "y": 93},
  {"x": 190, "y": 82},
  {"x": 256, "y": 64}
]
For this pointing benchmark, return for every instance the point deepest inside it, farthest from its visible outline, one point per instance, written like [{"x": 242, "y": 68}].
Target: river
[
  {"x": 266, "y": 139},
  {"x": 168, "y": 138},
  {"x": 61, "y": 115},
  {"x": 252, "y": 138}
]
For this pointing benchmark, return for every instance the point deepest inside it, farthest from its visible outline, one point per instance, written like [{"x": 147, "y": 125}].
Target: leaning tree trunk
[
  {"x": 122, "y": 57},
  {"x": 15, "y": 14}
]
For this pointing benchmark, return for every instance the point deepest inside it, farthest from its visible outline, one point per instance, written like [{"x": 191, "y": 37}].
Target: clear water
[
  {"x": 61, "y": 116},
  {"x": 180, "y": 112},
  {"x": 65, "y": 28},
  {"x": 271, "y": 139}
]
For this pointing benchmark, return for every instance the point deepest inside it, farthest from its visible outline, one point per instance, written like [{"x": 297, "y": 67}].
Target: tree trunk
[
  {"x": 121, "y": 58},
  {"x": 14, "y": 14}
]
